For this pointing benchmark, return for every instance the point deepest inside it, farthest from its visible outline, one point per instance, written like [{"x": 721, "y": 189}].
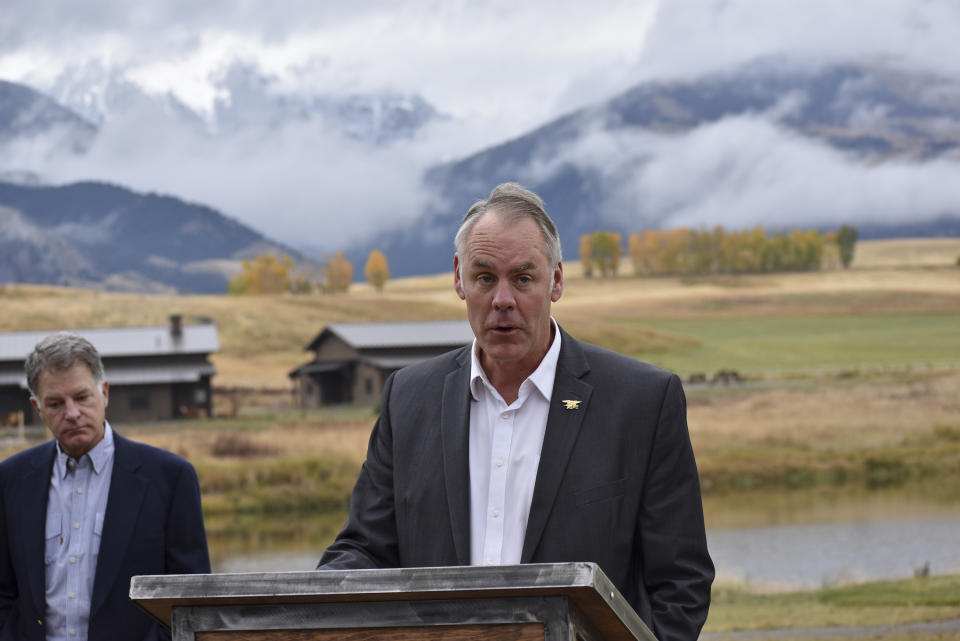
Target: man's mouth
[{"x": 71, "y": 431}]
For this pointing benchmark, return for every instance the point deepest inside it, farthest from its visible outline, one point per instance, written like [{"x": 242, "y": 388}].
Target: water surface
[{"x": 774, "y": 540}]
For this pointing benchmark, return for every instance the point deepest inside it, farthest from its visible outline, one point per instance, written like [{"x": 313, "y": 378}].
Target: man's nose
[
  {"x": 71, "y": 409},
  {"x": 503, "y": 296}
]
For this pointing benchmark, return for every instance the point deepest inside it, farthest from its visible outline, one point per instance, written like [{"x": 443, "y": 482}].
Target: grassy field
[
  {"x": 262, "y": 337},
  {"x": 853, "y": 384},
  {"x": 877, "y": 316},
  {"x": 853, "y": 375},
  {"x": 861, "y": 432},
  {"x": 917, "y": 252},
  {"x": 873, "y": 603},
  {"x": 784, "y": 346}
]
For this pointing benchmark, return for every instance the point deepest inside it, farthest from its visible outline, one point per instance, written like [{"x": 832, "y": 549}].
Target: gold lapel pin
[{"x": 571, "y": 405}]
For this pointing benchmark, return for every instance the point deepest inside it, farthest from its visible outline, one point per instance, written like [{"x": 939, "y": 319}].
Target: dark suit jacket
[
  {"x": 153, "y": 525},
  {"x": 617, "y": 482}
]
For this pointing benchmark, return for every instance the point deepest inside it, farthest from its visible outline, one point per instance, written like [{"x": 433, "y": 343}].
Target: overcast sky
[
  {"x": 497, "y": 68},
  {"x": 514, "y": 63}
]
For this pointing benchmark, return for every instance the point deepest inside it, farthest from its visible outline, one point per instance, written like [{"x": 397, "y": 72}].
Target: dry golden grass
[
  {"x": 671, "y": 296},
  {"x": 907, "y": 252},
  {"x": 853, "y": 415},
  {"x": 286, "y": 437},
  {"x": 263, "y": 337},
  {"x": 836, "y": 416}
]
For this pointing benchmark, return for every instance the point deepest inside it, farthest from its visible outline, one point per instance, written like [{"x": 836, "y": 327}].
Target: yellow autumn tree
[
  {"x": 263, "y": 274},
  {"x": 832, "y": 259},
  {"x": 645, "y": 252},
  {"x": 605, "y": 252},
  {"x": 586, "y": 251},
  {"x": 377, "y": 271},
  {"x": 338, "y": 273}
]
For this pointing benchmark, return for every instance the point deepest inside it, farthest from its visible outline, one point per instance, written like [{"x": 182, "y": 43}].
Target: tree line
[
  {"x": 269, "y": 273},
  {"x": 683, "y": 251},
  {"x": 680, "y": 251}
]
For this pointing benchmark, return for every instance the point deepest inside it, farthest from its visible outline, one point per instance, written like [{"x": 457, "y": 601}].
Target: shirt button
[
  {"x": 79, "y": 490},
  {"x": 499, "y": 462},
  {"x": 73, "y": 595},
  {"x": 73, "y": 632},
  {"x": 496, "y": 513},
  {"x": 73, "y": 559},
  {"x": 76, "y": 526},
  {"x": 505, "y": 415}
]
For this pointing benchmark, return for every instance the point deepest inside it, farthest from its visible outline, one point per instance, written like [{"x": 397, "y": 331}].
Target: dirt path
[{"x": 784, "y": 634}]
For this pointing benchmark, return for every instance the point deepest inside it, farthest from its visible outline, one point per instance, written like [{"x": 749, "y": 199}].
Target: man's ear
[
  {"x": 557, "y": 289},
  {"x": 33, "y": 401},
  {"x": 457, "y": 282},
  {"x": 105, "y": 390}
]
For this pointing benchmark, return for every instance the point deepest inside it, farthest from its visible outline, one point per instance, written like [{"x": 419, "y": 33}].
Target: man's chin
[
  {"x": 503, "y": 353},
  {"x": 75, "y": 440}
]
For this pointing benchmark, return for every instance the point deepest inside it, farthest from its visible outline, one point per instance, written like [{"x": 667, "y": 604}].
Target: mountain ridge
[
  {"x": 868, "y": 115},
  {"x": 591, "y": 166},
  {"x": 98, "y": 233},
  {"x": 26, "y": 114}
]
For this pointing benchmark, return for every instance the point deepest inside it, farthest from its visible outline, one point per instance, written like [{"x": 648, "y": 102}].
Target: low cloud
[
  {"x": 746, "y": 171},
  {"x": 300, "y": 184}
]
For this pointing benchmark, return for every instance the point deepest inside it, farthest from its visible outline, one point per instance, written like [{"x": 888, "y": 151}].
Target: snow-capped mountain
[
  {"x": 770, "y": 143},
  {"x": 247, "y": 100}
]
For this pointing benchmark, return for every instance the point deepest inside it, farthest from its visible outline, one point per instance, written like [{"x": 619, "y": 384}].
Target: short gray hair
[
  {"x": 59, "y": 352},
  {"x": 514, "y": 203}
]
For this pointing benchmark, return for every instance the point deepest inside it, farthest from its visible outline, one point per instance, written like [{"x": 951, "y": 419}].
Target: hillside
[
  {"x": 107, "y": 237},
  {"x": 741, "y": 147}
]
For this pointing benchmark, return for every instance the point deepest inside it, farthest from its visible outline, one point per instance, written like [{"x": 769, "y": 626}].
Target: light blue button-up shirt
[{"x": 75, "y": 509}]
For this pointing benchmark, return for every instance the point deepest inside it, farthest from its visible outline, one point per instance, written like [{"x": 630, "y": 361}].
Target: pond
[
  {"x": 804, "y": 540},
  {"x": 773, "y": 540}
]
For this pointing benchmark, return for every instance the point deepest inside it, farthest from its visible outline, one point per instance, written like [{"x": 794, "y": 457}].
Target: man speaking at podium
[{"x": 530, "y": 446}]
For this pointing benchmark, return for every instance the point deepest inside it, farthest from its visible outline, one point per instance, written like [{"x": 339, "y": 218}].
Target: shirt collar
[
  {"x": 100, "y": 454},
  {"x": 542, "y": 377}
]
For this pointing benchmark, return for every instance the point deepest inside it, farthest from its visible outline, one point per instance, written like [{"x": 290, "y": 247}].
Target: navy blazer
[
  {"x": 617, "y": 482},
  {"x": 153, "y": 525}
]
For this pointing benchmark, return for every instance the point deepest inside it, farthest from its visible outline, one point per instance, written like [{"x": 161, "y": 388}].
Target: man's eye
[
  {"x": 524, "y": 280},
  {"x": 483, "y": 279}
]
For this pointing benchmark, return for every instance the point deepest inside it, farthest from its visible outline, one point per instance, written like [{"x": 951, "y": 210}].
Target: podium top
[{"x": 584, "y": 584}]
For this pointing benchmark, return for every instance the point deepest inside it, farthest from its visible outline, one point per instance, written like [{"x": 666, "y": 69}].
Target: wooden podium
[{"x": 537, "y": 602}]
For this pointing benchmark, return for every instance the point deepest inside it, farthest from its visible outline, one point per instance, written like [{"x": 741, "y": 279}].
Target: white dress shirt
[
  {"x": 75, "y": 509},
  {"x": 505, "y": 444}
]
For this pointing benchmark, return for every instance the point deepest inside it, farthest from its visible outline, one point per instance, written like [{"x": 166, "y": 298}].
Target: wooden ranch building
[
  {"x": 155, "y": 373},
  {"x": 353, "y": 360}
]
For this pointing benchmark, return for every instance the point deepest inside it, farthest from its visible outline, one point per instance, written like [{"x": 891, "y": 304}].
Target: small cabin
[
  {"x": 155, "y": 373},
  {"x": 353, "y": 360}
]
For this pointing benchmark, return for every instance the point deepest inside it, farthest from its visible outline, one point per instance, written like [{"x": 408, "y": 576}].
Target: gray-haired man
[
  {"x": 530, "y": 446},
  {"x": 81, "y": 514}
]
